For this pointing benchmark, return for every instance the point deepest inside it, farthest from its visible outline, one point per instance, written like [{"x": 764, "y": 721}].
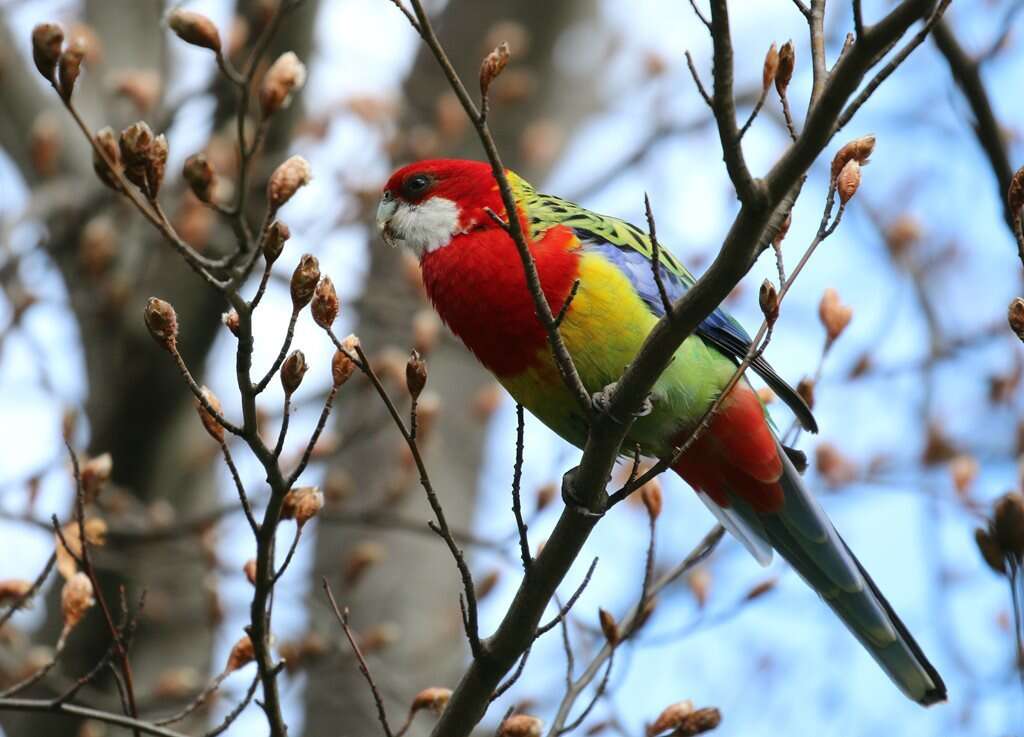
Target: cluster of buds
[
  {"x": 415, "y": 375},
  {"x": 521, "y": 725},
  {"x": 292, "y": 371},
  {"x": 59, "y": 65},
  {"x": 834, "y": 315},
  {"x": 304, "y": 281},
  {"x": 194, "y": 28},
  {"x": 285, "y": 77},
  {"x": 684, "y": 720},
  {"x": 493, "y": 65},
  {"x": 768, "y": 299},
  {"x": 325, "y": 304},
  {"x": 342, "y": 367},
  {"x": 144, "y": 156},
  {"x": 302, "y": 504},
  {"x": 1002, "y": 543},
  {"x": 286, "y": 181},
  {"x": 846, "y": 166}
]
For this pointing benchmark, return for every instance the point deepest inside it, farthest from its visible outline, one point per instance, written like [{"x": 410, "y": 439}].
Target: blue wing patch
[{"x": 718, "y": 329}]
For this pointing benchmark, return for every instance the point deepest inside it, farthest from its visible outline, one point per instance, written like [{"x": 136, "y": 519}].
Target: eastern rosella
[{"x": 475, "y": 278}]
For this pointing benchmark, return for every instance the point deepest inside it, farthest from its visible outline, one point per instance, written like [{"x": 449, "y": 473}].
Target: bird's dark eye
[{"x": 417, "y": 184}]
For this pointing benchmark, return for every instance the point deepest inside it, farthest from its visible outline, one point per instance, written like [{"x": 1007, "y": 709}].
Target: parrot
[{"x": 446, "y": 211}]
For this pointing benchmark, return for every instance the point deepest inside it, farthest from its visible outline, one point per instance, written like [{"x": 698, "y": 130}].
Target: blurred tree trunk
[
  {"x": 416, "y": 587},
  {"x": 138, "y": 408}
]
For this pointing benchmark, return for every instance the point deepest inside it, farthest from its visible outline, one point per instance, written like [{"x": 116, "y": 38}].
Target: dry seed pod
[
  {"x": 768, "y": 299},
  {"x": 492, "y": 66},
  {"x": 285, "y": 77},
  {"x": 241, "y": 655},
  {"x": 342, "y": 367},
  {"x": 213, "y": 427},
  {"x": 194, "y": 28},
  {"x": 107, "y": 142},
  {"x": 302, "y": 504},
  {"x": 700, "y": 721},
  {"x": 859, "y": 150},
  {"x": 47, "y": 39},
  {"x": 671, "y": 717},
  {"x": 325, "y": 304},
  {"x": 286, "y": 181},
  {"x": 162, "y": 321},
  {"x": 70, "y": 66},
  {"x": 304, "y": 281},
  {"x": 156, "y": 165}
]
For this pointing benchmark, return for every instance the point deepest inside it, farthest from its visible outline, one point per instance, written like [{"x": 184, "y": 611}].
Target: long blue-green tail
[{"x": 805, "y": 537}]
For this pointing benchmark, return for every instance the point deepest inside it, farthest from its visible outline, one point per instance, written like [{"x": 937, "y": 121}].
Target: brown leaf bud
[
  {"x": 434, "y": 699},
  {"x": 277, "y": 234},
  {"x": 213, "y": 427},
  {"x": 107, "y": 142},
  {"x": 47, "y": 39},
  {"x": 848, "y": 180},
  {"x": 609, "y": 626},
  {"x": 231, "y": 321},
  {"x": 360, "y": 560},
  {"x": 162, "y": 321},
  {"x": 700, "y": 721},
  {"x": 990, "y": 551},
  {"x": 284, "y": 78},
  {"x": 1015, "y": 194},
  {"x": 771, "y": 67},
  {"x": 249, "y": 569},
  {"x": 546, "y": 495},
  {"x": 199, "y": 174},
  {"x": 95, "y": 472},
  {"x": 487, "y": 583},
  {"x": 342, "y": 367},
  {"x": 415, "y": 375},
  {"x": 760, "y": 589},
  {"x": 492, "y": 66},
  {"x": 70, "y": 66},
  {"x": 13, "y": 589},
  {"x": 1008, "y": 524},
  {"x": 302, "y": 504},
  {"x": 304, "y": 281},
  {"x": 835, "y": 468},
  {"x": 963, "y": 469},
  {"x": 859, "y": 150},
  {"x": 325, "y": 304},
  {"x": 156, "y": 165},
  {"x": 670, "y": 718},
  {"x": 194, "y": 28},
  {"x": 834, "y": 315},
  {"x": 521, "y": 725},
  {"x": 286, "y": 181},
  {"x": 242, "y": 654},
  {"x": 136, "y": 141},
  {"x": 292, "y": 371},
  {"x": 1015, "y": 316},
  {"x": 768, "y": 299},
  {"x": 75, "y": 600},
  {"x": 784, "y": 72},
  {"x": 650, "y": 495}
]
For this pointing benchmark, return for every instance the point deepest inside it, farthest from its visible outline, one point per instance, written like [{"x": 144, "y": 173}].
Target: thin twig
[
  {"x": 517, "y": 478},
  {"x": 563, "y": 612},
  {"x": 666, "y": 302}
]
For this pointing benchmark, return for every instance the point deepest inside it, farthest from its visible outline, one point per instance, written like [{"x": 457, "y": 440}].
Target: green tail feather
[{"x": 805, "y": 537}]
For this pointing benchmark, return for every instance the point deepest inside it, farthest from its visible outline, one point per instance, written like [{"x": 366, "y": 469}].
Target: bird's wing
[{"x": 632, "y": 251}]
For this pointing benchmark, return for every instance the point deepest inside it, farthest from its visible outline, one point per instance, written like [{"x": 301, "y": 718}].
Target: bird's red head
[{"x": 427, "y": 203}]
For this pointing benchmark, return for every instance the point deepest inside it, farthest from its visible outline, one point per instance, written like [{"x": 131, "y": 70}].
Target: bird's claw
[
  {"x": 572, "y": 501},
  {"x": 602, "y": 403}
]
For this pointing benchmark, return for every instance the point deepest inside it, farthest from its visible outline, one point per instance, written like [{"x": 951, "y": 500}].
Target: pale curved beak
[{"x": 385, "y": 211}]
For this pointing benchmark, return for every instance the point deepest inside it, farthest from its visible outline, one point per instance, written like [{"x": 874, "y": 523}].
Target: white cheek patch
[{"x": 427, "y": 226}]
